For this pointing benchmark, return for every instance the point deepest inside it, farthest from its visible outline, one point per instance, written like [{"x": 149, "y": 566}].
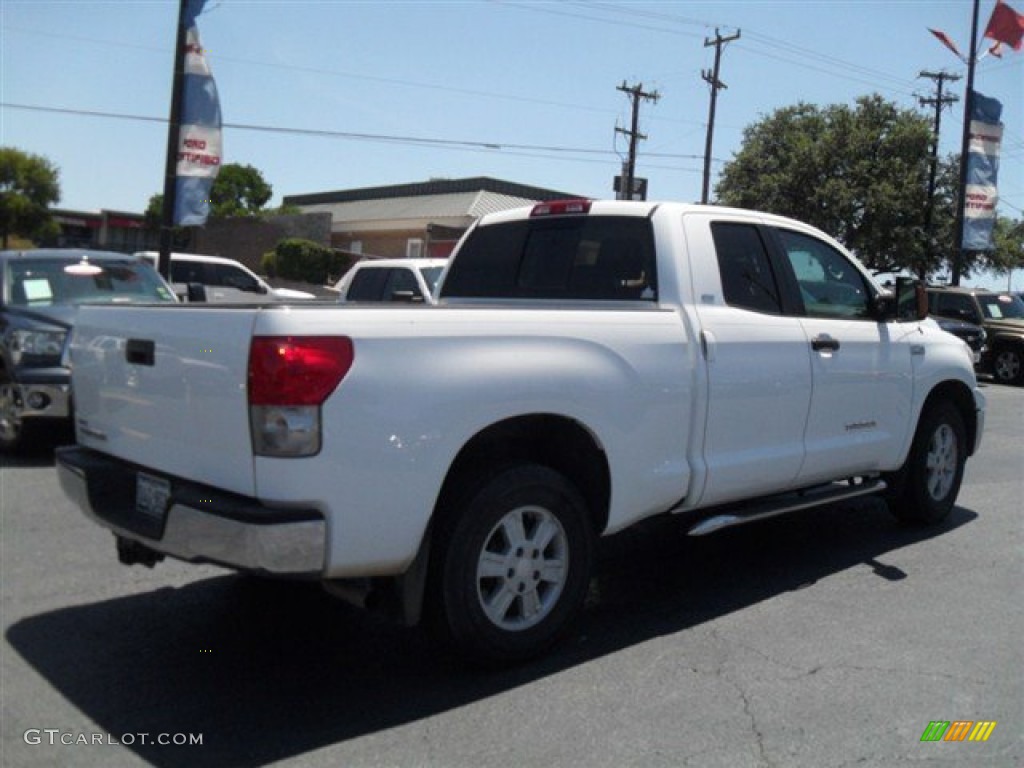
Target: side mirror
[
  {"x": 406, "y": 297},
  {"x": 911, "y": 299},
  {"x": 907, "y": 303}
]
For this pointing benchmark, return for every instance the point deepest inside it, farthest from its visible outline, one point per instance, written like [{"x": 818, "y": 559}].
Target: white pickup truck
[{"x": 590, "y": 364}]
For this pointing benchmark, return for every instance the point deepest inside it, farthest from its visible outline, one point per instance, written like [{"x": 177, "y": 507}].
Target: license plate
[{"x": 151, "y": 495}]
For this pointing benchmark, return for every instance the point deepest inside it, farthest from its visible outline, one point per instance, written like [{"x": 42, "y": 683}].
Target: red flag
[
  {"x": 1006, "y": 26},
  {"x": 946, "y": 41}
]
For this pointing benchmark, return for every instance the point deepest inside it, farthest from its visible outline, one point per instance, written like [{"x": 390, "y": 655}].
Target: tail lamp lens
[
  {"x": 297, "y": 370},
  {"x": 289, "y": 379}
]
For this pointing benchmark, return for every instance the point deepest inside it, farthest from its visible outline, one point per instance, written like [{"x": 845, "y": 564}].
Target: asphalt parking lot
[{"x": 825, "y": 639}]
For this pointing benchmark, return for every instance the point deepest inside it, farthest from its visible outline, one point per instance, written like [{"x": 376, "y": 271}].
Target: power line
[
  {"x": 830, "y": 65},
  {"x": 358, "y": 136}
]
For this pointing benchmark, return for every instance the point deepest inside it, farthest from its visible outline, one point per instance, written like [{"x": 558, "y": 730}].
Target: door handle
[
  {"x": 140, "y": 352},
  {"x": 818, "y": 343}
]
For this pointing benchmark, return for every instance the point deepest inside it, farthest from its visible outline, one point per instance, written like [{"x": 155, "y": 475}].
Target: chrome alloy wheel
[
  {"x": 942, "y": 462},
  {"x": 1007, "y": 365},
  {"x": 522, "y": 568}
]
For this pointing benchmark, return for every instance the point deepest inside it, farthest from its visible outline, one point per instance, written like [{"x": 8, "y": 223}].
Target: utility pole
[
  {"x": 939, "y": 101},
  {"x": 636, "y": 93},
  {"x": 712, "y": 79}
]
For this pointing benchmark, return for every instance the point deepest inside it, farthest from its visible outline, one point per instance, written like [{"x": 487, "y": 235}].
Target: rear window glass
[
  {"x": 596, "y": 258},
  {"x": 367, "y": 284}
]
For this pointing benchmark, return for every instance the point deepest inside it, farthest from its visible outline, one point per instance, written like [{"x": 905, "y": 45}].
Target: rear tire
[
  {"x": 929, "y": 481},
  {"x": 514, "y": 565},
  {"x": 1008, "y": 364}
]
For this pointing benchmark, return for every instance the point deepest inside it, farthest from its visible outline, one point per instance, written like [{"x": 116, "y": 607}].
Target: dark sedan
[{"x": 39, "y": 293}]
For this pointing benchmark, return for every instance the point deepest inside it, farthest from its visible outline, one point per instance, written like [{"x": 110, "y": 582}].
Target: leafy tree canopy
[
  {"x": 238, "y": 190},
  {"x": 859, "y": 173},
  {"x": 28, "y": 186}
]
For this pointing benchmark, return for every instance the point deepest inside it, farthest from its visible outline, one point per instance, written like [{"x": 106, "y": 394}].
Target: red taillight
[
  {"x": 561, "y": 208},
  {"x": 297, "y": 370}
]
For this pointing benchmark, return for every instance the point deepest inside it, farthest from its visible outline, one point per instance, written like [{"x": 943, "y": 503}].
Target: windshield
[
  {"x": 432, "y": 275},
  {"x": 998, "y": 306},
  {"x": 46, "y": 282}
]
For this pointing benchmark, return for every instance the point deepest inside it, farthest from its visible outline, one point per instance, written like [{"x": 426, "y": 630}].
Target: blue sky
[{"x": 523, "y": 91}]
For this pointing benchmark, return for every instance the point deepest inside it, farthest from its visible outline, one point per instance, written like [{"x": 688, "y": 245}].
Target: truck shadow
[{"x": 269, "y": 670}]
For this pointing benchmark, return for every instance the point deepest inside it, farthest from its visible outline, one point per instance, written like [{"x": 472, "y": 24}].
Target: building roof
[
  {"x": 429, "y": 188},
  {"x": 446, "y": 202}
]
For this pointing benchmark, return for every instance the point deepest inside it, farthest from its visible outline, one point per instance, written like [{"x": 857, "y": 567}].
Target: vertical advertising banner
[
  {"x": 199, "y": 135},
  {"x": 981, "y": 195}
]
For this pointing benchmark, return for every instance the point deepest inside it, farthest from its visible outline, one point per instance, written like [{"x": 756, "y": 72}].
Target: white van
[{"x": 225, "y": 280}]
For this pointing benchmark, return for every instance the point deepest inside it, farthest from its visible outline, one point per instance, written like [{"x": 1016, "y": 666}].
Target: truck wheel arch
[
  {"x": 559, "y": 442},
  {"x": 957, "y": 393}
]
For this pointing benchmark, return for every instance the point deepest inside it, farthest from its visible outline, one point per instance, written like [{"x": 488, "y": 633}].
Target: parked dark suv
[
  {"x": 39, "y": 293},
  {"x": 974, "y": 335},
  {"x": 1002, "y": 317}
]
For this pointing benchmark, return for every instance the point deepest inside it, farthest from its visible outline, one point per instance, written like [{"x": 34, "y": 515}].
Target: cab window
[
  {"x": 955, "y": 305},
  {"x": 401, "y": 281},
  {"x": 748, "y": 280},
  {"x": 233, "y": 277},
  {"x": 187, "y": 272},
  {"x": 830, "y": 285},
  {"x": 367, "y": 285}
]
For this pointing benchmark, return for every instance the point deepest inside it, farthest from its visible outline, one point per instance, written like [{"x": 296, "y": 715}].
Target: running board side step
[{"x": 747, "y": 512}]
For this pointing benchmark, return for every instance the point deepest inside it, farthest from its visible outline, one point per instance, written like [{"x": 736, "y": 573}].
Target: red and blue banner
[
  {"x": 981, "y": 194},
  {"x": 199, "y": 134}
]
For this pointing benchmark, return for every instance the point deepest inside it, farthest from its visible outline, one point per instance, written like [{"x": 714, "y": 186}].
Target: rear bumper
[{"x": 199, "y": 524}]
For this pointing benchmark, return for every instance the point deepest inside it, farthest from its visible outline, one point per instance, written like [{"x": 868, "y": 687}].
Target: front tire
[
  {"x": 16, "y": 435},
  {"x": 515, "y": 565},
  {"x": 928, "y": 484}
]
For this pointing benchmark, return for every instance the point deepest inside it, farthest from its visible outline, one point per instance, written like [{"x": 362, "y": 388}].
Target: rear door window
[
  {"x": 188, "y": 272},
  {"x": 748, "y": 280}
]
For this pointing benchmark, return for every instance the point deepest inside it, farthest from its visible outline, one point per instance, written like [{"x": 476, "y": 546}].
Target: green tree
[
  {"x": 1008, "y": 251},
  {"x": 29, "y": 184},
  {"x": 238, "y": 190},
  {"x": 859, "y": 173}
]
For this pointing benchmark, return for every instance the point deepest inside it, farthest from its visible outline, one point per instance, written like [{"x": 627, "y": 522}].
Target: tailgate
[{"x": 165, "y": 387}]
